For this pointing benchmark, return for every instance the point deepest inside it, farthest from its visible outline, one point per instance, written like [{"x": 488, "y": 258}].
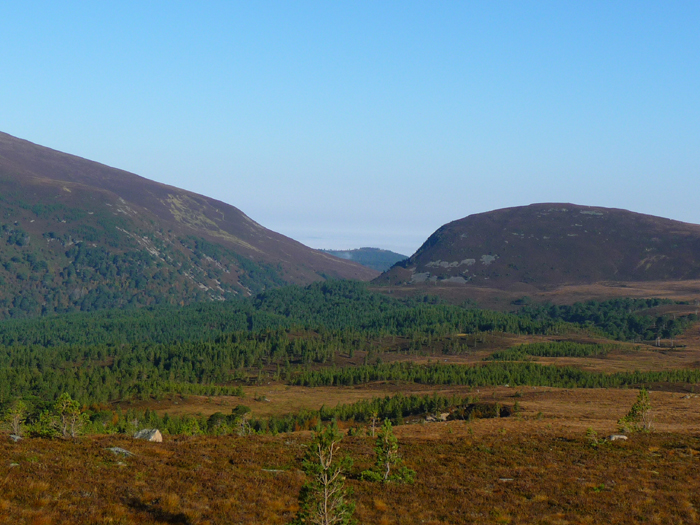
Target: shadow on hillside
[{"x": 158, "y": 513}]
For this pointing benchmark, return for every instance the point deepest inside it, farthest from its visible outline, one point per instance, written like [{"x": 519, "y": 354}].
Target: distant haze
[{"x": 375, "y": 258}]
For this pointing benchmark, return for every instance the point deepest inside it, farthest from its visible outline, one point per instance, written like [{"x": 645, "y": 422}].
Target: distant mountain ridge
[
  {"x": 375, "y": 258},
  {"x": 553, "y": 244},
  {"x": 76, "y": 234}
]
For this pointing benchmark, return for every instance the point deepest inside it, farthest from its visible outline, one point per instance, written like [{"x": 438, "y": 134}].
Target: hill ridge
[
  {"x": 548, "y": 244},
  {"x": 78, "y": 234}
]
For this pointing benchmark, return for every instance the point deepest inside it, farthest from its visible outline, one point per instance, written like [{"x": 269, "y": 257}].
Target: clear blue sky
[{"x": 347, "y": 124}]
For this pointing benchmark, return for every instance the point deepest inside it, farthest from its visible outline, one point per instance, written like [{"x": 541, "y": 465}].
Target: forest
[{"x": 326, "y": 334}]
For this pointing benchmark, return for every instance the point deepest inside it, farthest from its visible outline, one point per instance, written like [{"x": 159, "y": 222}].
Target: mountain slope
[
  {"x": 375, "y": 258},
  {"x": 76, "y": 234},
  {"x": 554, "y": 244}
]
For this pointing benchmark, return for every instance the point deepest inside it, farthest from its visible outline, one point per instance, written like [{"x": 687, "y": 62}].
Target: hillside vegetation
[
  {"x": 553, "y": 244},
  {"x": 76, "y": 235}
]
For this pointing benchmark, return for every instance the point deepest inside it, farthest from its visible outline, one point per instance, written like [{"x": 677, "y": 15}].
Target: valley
[
  {"x": 236, "y": 388},
  {"x": 504, "y": 353},
  {"x": 349, "y": 263}
]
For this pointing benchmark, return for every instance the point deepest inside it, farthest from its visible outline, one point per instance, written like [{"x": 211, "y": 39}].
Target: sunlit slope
[
  {"x": 76, "y": 234},
  {"x": 553, "y": 244}
]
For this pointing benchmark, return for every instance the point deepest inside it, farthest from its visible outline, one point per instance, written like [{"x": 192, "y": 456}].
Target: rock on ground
[{"x": 149, "y": 434}]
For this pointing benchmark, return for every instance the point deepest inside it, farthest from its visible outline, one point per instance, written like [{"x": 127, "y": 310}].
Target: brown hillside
[
  {"x": 182, "y": 245},
  {"x": 549, "y": 245}
]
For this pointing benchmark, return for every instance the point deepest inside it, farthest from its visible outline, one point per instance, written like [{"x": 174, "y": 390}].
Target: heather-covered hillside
[
  {"x": 79, "y": 235},
  {"x": 553, "y": 244}
]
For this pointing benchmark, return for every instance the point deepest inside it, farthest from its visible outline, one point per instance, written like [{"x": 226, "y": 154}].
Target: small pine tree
[
  {"x": 388, "y": 459},
  {"x": 373, "y": 419},
  {"x": 323, "y": 500},
  {"x": 639, "y": 418},
  {"x": 69, "y": 419},
  {"x": 45, "y": 425},
  {"x": 15, "y": 416},
  {"x": 592, "y": 437}
]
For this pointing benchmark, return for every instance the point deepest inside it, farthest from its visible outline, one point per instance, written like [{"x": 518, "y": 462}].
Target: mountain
[
  {"x": 375, "y": 258},
  {"x": 553, "y": 244},
  {"x": 79, "y": 235}
]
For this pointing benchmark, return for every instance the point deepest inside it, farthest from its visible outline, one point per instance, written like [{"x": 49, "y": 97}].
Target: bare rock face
[{"x": 149, "y": 434}]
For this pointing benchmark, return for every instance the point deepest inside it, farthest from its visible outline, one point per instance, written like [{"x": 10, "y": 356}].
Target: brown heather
[{"x": 528, "y": 469}]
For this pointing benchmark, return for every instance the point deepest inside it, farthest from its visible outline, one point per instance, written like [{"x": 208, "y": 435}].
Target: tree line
[
  {"x": 490, "y": 374},
  {"x": 45, "y": 420},
  {"x": 553, "y": 349}
]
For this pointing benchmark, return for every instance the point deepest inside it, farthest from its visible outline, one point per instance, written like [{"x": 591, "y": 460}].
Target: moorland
[{"x": 504, "y": 416}]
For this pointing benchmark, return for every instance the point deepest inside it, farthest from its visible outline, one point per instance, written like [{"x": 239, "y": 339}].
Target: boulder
[{"x": 149, "y": 434}]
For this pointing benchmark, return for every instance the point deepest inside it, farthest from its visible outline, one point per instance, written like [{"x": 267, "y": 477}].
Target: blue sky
[{"x": 347, "y": 124}]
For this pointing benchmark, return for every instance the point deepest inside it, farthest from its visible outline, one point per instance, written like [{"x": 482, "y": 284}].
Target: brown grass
[
  {"x": 525, "y": 469},
  {"x": 274, "y": 398},
  {"x": 501, "y": 299}
]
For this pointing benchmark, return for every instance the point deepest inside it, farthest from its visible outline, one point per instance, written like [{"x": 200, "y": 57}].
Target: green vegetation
[
  {"x": 164, "y": 324},
  {"x": 341, "y": 305},
  {"x": 256, "y": 276},
  {"x": 553, "y": 349},
  {"x": 336, "y": 306},
  {"x": 638, "y": 419},
  {"x": 56, "y": 259},
  {"x": 42, "y": 419},
  {"x": 393, "y": 408},
  {"x": 619, "y": 318},
  {"x": 388, "y": 466},
  {"x": 323, "y": 499},
  {"x": 15, "y": 416},
  {"x": 491, "y": 374},
  {"x": 327, "y": 334}
]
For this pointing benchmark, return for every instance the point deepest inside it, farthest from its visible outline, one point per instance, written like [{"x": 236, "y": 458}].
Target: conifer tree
[
  {"x": 15, "y": 416},
  {"x": 69, "y": 419},
  {"x": 639, "y": 418},
  {"x": 323, "y": 499},
  {"x": 388, "y": 459}
]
